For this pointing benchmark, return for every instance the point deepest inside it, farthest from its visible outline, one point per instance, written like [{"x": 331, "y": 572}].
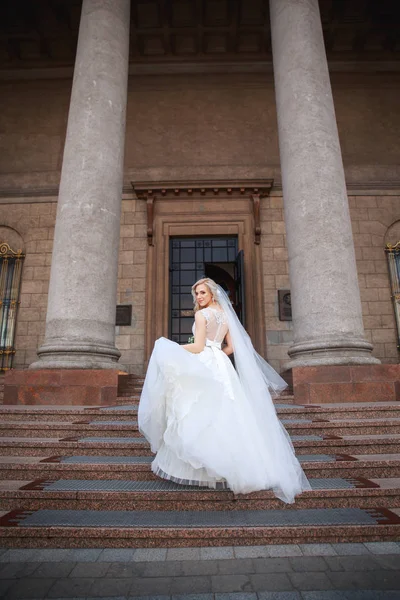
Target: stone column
[
  {"x": 327, "y": 318},
  {"x": 80, "y": 324}
]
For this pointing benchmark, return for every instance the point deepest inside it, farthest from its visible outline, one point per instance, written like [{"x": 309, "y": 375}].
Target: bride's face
[{"x": 203, "y": 295}]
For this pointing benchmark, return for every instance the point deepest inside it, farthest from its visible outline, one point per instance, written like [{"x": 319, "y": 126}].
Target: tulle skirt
[{"x": 195, "y": 414}]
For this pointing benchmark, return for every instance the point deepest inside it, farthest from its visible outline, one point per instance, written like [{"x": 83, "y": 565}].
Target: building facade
[{"x": 201, "y": 138}]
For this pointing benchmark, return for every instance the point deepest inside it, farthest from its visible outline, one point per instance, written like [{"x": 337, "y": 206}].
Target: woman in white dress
[{"x": 209, "y": 424}]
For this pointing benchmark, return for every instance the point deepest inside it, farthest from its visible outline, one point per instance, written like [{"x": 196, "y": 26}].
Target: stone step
[
  {"x": 131, "y": 528},
  {"x": 136, "y": 446},
  {"x": 115, "y": 428},
  {"x": 163, "y": 495},
  {"x": 127, "y": 411},
  {"x": 66, "y": 414},
  {"x": 138, "y": 467}
]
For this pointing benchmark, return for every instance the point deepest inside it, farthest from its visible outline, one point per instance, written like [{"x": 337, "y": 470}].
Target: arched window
[
  {"x": 10, "y": 279},
  {"x": 393, "y": 254}
]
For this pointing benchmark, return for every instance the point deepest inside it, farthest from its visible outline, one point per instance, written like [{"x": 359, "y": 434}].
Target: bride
[{"x": 209, "y": 424}]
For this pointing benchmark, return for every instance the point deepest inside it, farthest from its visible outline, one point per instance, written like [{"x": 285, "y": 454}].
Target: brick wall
[
  {"x": 371, "y": 217},
  {"x": 35, "y": 223},
  {"x": 132, "y": 282}
]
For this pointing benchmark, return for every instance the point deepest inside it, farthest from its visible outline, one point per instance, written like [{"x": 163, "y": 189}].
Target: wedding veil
[{"x": 254, "y": 372}]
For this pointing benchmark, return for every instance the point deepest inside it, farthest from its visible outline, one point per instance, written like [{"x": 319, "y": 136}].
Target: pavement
[{"x": 351, "y": 571}]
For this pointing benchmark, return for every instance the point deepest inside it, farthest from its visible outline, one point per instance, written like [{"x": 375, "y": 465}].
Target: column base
[
  {"x": 62, "y": 387},
  {"x": 78, "y": 355},
  {"x": 352, "y": 383},
  {"x": 332, "y": 352}
]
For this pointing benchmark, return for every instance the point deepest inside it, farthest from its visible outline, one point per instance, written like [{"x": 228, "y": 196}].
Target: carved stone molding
[{"x": 255, "y": 190}]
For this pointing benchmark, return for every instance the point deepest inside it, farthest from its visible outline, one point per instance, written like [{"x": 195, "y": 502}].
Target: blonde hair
[{"x": 212, "y": 286}]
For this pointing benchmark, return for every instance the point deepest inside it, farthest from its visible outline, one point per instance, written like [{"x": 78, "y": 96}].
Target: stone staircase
[{"x": 80, "y": 477}]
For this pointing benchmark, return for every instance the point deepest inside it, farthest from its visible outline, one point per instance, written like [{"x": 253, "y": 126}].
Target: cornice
[
  {"x": 200, "y": 67},
  {"x": 148, "y": 189}
]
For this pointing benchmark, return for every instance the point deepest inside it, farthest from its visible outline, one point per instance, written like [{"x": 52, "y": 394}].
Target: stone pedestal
[
  {"x": 80, "y": 323},
  {"x": 62, "y": 387},
  {"x": 327, "y": 318},
  {"x": 351, "y": 383}
]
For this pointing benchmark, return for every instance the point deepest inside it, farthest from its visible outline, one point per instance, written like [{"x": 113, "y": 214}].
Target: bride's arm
[
  {"x": 228, "y": 349},
  {"x": 200, "y": 335}
]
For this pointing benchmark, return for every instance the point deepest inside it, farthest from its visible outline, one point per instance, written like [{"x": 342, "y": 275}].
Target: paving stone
[
  {"x": 84, "y": 554},
  {"x": 183, "y": 554},
  {"x": 30, "y": 588},
  {"x": 334, "y": 563},
  {"x": 17, "y": 570},
  {"x": 90, "y": 570},
  {"x": 356, "y": 580},
  {"x": 50, "y": 555},
  {"x": 192, "y": 597},
  {"x": 119, "y": 569},
  {"x": 224, "y": 552},
  {"x": 350, "y": 549},
  {"x": 279, "y": 595},
  {"x": 53, "y": 570},
  {"x": 5, "y": 585},
  {"x": 148, "y": 586},
  {"x": 320, "y": 595},
  {"x": 19, "y": 555},
  {"x": 71, "y": 587},
  {"x": 97, "y": 597},
  {"x": 308, "y": 564},
  {"x": 110, "y": 587},
  {"x": 371, "y": 595},
  {"x": 360, "y": 563},
  {"x": 230, "y": 583},
  {"x": 242, "y": 566},
  {"x": 147, "y": 554},
  {"x": 384, "y": 580},
  {"x": 116, "y": 555},
  {"x": 152, "y": 597},
  {"x": 310, "y": 581},
  {"x": 272, "y": 565},
  {"x": 202, "y": 567},
  {"x": 279, "y": 550},
  {"x": 273, "y": 582},
  {"x": 318, "y": 549},
  {"x": 383, "y": 547},
  {"x": 190, "y": 585},
  {"x": 163, "y": 569},
  {"x": 251, "y": 551},
  {"x": 389, "y": 561},
  {"x": 237, "y": 596}
]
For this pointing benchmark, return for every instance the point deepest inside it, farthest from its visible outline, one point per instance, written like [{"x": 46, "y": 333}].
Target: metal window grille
[
  {"x": 10, "y": 278},
  {"x": 188, "y": 258},
  {"x": 393, "y": 254}
]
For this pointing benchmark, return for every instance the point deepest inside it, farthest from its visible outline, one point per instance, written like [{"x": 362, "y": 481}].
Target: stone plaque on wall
[
  {"x": 123, "y": 314},
  {"x": 285, "y": 305}
]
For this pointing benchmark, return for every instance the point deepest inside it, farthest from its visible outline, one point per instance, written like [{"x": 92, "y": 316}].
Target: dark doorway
[{"x": 194, "y": 258}]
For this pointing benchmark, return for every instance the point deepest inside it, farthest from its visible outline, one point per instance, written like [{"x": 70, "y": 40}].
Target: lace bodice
[{"x": 216, "y": 324}]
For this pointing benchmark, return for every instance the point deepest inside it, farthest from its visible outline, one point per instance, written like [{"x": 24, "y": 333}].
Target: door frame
[{"x": 203, "y": 211}]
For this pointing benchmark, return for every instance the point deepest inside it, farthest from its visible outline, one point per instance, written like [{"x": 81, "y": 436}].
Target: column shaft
[
  {"x": 80, "y": 324},
  {"x": 327, "y": 318}
]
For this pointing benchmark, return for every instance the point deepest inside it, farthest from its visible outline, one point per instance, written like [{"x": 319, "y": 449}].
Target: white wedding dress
[{"x": 202, "y": 424}]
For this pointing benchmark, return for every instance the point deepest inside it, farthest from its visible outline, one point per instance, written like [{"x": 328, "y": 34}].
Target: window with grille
[
  {"x": 10, "y": 278},
  {"x": 393, "y": 254}
]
